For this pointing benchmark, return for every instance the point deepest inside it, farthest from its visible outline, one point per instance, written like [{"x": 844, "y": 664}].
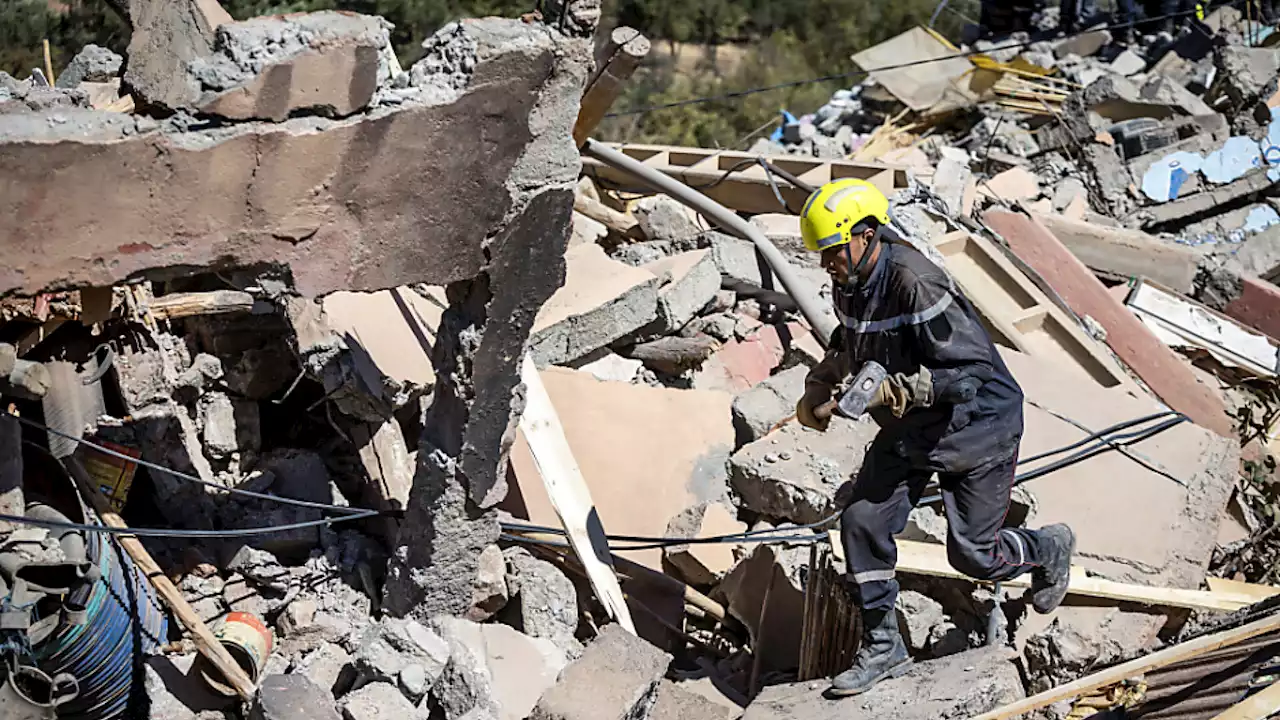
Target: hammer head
[{"x": 854, "y": 400}]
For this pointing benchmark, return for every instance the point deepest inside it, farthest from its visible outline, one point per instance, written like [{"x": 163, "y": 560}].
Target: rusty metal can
[{"x": 249, "y": 642}]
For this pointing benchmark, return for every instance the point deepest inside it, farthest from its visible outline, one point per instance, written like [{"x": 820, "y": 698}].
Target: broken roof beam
[
  {"x": 739, "y": 181},
  {"x": 616, "y": 60}
]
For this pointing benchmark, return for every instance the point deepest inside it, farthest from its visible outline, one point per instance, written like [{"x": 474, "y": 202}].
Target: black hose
[{"x": 1098, "y": 434}]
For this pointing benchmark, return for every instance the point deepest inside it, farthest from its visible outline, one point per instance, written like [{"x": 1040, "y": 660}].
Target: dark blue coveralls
[{"x": 906, "y": 315}]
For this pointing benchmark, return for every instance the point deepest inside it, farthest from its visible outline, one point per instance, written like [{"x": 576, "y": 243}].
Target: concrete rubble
[{"x": 286, "y": 308}]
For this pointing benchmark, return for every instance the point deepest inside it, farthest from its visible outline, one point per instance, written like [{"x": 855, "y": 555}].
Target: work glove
[
  {"x": 815, "y": 395},
  {"x": 901, "y": 392}
]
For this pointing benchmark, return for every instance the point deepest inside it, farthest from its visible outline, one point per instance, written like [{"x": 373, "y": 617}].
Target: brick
[{"x": 1163, "y": 371}]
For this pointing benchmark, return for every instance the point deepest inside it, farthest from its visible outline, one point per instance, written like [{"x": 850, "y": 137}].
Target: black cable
[
  {"x": 856, "y": 73},
  {"x": 1100, "y": 448},
  {"x": 178, "y": 474},
  {"x": 180, "y": 533},
  {"x": 1098, "y": 434}
]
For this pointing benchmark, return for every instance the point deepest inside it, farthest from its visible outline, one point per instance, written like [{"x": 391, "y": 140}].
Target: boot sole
[
  {"x": 1070, "y": 554},
  {"x": 896, "y": 671}
]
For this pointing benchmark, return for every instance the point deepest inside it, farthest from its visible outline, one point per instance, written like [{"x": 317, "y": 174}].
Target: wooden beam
[
  {"x": 1123, "y": 671},
  {"x": 922, "y": 558},
  {"x": 1255, "y": 707},
  {"x": 568, "y": 492},
  {"x": 624, "y": 224},
  {"x": 616, "y": 62},
  {"x": 216, "y": 302},
  {"x": 205, "y": 641}
]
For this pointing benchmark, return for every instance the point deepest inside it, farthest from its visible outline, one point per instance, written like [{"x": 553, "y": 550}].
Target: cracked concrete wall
[{"x": 403, "y": 193}]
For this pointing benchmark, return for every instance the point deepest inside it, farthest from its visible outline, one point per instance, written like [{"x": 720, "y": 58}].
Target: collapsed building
[{"x": 274, "y": 302}]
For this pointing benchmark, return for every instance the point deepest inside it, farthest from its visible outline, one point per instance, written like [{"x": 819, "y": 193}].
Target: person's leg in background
[{"x": 886, "y": 489}]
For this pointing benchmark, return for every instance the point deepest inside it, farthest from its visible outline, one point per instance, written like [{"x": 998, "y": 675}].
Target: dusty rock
[
  {"x": 776, "y": 569},
  {"x": 951, "y": 688},
  {"x": 613, "y": 368},
  {"x": 758, "y": 410},
  {"x": 166, "y": 37},
  {"x": 376, "y": 701},
  {"x": 793, "y": 473},
  {"x": 178, "y": 694},
  {"x": 489, "y": 593},
  {"x": 616, "y": 679},
  {"x": 91, "y": 64},
  {"x": 694, "y": 282},
  {"x": 601, "y": 300},
  {"x": 389, "y": 647},
  {"x": 329, "y": 667},
  {"x": 218, "y": 417},
  {"x": 702, "y": 564},
  {"x": 1072, "y": 647},
  {"x": 547, "y": 599},
  {"x": 270, "y": 67},
  {"x": 926, "y": 628},
  {"x": 292, "y": 697},
  {"x": 497, "y": 663},
  {"x": 662, "y": 218},
  {"x": 1247, "y": 72},
  {"x": 586, "y": 231},
  {"x": 675, "y": 703}
]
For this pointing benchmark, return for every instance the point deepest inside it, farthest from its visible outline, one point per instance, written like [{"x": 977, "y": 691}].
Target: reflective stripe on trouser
[{"x": 976, "y": 502}]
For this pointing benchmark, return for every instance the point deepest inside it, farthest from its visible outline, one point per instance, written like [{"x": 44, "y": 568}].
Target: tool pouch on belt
[{"x": 29, "y": 694}]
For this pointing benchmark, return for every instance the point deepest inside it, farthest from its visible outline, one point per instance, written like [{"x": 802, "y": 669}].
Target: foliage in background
[{"x": 785, "y": 40}]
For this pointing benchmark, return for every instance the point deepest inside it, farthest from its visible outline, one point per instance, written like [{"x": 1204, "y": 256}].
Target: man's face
[{"x": 835, "y": 260}]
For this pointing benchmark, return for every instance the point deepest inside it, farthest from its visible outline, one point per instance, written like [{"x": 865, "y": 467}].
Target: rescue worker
[{"x": 949, "y": 406}]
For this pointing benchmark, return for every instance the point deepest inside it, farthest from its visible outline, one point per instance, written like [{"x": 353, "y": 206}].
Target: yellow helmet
[{"x": 835, "y": 209}]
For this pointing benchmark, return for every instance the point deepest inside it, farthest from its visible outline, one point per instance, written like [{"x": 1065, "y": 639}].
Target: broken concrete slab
[
  {"x": 689, "y": 281},
  {"x": 615, "y": 679},
  {"x": 776, "y": 570},
  {"x": 520, "y": 668},
  {"x": 1152, "y": 217},
  {"x": 92, "y": 64},
  {"x": 662, "y": 218},
  {"x": 387, "y": 648},
  {"x": 676, "y": 703},
  {"x": 178, "y": 693},
  {"x": 793, "y": 473},
  {"x": 465, "y": 688},
  {"x": 952, "y": 688},
  {"x": 638, "y": 480},
  {"x": 1156, "y": 364},
  {"x": 1247, "y": 73},
  {"x": 167, "y": 36},
  {"x": 329, "y": 667},
  {"x": 1124, "y": 253},
  {"x": 490, "y": 591},
  {"x": 374, "y": 702},
  {"x": 546, "y": 597},
  {"x": 702, "y": 564},
  {"x": 926, "y": 628},
  {"x": 292, "y": 697},
  {"x": 268, "y": 68},
  {"x": 613, "y": 368},
  {"x": 1012, "y": 185},
  {"x": 741, "y": 364},
  {"x": 179, "y": 213},
  {"x": 1082, "y": 45},
  {"x": 758, "y": 410},
  {"x": 1127, "y": 63},
  {"x": 601, "y": 301}
]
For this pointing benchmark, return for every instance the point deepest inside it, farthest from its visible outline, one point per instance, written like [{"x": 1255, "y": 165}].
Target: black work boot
[
  {"x": 882, "y": 655},
  {"x": 1049, "y": 582}
]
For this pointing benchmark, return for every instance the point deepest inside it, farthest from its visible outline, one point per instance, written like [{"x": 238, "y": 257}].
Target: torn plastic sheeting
[
  {"x": 1237, "y": 156},
  {"x": 787, "y": 119},
  {"x": 1165, "y": 177}
]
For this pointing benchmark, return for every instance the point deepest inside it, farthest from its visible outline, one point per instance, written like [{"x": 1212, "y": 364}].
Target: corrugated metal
[{"x": 1202, "y": 687}]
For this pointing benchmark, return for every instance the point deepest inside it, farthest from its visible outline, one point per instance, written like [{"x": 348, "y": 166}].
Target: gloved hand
[
  {"x": 815, "y": 396},
  {"x": 901, "y": 392}
]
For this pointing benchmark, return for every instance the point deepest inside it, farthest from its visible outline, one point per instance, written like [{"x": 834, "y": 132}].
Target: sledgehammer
[{"x": 853, "y": 401}]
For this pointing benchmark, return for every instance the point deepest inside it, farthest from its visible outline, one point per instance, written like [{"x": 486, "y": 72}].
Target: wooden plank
[
  {"x": 625, "y": 49},
  {"x": 922, "y": 558},
  {"x": 568, "y": 492},
  {"x": 1256, "y": 592},
  {"x": 193, "y": 304},
  {"x": 744, "y": 189},
  {"x": 1020, "y": 314},
  {"x": 1255, "y": 707},
  {"x": 208, "y": 645},
  {"x": 1133, "y": 668},
  {"x": 1158, "y": 366}
]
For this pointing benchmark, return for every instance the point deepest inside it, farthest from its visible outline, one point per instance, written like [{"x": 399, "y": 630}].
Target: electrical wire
[
  {"x": 182, "y": 533},
  {"x": 914, "y": 63},
  {"x": 1097, "y": 435},
  {"x": 181, "y": 475}
]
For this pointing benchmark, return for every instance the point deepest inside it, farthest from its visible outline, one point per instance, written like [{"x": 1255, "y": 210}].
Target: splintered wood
[{"x": 831, "y": 625}]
